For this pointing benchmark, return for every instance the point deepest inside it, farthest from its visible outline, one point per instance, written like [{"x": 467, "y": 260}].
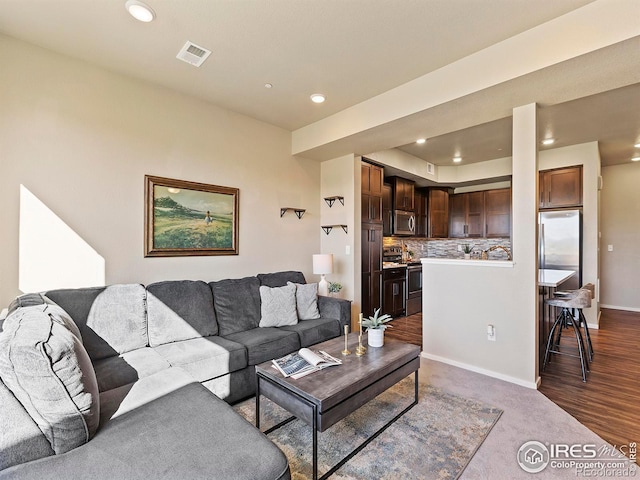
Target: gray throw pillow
[
  {"x": 44, "y": 364},
  {"x": 307, "y": 300},
  {"x": 278, "y": 307}
]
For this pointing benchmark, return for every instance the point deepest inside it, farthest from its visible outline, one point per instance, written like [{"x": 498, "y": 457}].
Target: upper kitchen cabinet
[
  {"x": 403, "y": 192},
  {"x": 561, "y": 187},
  {"x": 372, "y": 180},
  {"x": 466, "y": 215},
  {"x": 420, "y": 204},
  {"x": 387, "y": 209},
  {"x": 438, "y": 213},
  {"x": 497, "y": 209}
]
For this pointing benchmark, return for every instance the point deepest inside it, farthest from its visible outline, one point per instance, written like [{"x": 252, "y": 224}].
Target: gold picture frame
[{"x": 189, "y": 218}]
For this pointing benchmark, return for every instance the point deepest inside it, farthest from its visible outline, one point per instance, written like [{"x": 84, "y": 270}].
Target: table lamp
[{"x": 323, "y": 264}]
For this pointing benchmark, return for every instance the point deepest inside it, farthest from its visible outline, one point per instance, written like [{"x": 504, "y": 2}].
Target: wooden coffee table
[{"x": 323, "y": 398}]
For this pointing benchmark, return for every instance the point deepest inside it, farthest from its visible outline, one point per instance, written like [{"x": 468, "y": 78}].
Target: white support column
[{"x": 525, "y": 226}]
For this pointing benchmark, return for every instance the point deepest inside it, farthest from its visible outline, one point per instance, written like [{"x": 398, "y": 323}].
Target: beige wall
[
  {"x": 620, "y": 269},
  {"x": 80, "y": 140}
]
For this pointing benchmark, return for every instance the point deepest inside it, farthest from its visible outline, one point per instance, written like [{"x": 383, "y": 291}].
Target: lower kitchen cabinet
[{"x": 394, "y": 294}]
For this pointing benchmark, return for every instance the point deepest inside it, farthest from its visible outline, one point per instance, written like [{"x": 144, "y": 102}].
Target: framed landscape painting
[{"x": 189, "y": 218}]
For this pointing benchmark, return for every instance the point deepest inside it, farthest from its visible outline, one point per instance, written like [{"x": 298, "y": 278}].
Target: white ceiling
[{"x": 350, "y": 50}]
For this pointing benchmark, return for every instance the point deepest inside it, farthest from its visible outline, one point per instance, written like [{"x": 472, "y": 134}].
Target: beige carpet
[{"x": 436, "y": 439}]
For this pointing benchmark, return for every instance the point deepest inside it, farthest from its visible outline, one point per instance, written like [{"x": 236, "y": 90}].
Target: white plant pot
[
  {"x": 375, "y": 337},
  {"x": 467, "y": 256}
]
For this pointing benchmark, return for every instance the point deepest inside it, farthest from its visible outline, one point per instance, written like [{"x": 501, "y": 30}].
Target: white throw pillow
[
  {"x": 278, "y": 306},
  {"x": 307, "y": 300}
]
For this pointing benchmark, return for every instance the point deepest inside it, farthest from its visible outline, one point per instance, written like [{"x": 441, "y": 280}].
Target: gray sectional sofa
[{"x": 134, "y": 382}]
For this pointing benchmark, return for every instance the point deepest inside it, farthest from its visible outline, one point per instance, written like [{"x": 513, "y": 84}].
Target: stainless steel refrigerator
[{"x": 560, "y": 243}]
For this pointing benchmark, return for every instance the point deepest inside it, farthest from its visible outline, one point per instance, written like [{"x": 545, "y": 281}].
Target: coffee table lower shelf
[{"x": 307, "y": 410}]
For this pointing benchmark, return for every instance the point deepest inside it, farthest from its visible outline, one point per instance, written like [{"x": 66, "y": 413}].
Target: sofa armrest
[
  {"x": 337, "y": 308},
  {"x": 21, "y": 440}
]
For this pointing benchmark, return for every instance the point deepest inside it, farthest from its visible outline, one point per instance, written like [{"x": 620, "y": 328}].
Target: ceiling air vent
[{"x": 193, "y": 54}]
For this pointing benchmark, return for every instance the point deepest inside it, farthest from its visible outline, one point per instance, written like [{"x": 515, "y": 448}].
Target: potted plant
[
  {"x": 334, "y": 288},
  {"x": 376, "y": 326},
  {"x": 467, "y": 249}
]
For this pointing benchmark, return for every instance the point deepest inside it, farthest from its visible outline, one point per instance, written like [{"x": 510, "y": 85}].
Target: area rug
[{"x": 436, "y": 439}]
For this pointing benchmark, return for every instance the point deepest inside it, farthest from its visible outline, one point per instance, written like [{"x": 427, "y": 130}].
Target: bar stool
[
  {"x": 582, "y": 321},
  {"x": 577, "y": 299}
]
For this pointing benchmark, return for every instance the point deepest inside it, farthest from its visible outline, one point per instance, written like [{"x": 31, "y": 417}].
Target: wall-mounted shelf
[
  {"x": 298, "y": 211},
  {"x": 331, "y": 200},
  {"x": 327, "y": 228}
]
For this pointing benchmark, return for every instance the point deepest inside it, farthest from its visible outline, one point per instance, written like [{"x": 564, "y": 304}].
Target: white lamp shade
[{"x": 323, "y": 263}]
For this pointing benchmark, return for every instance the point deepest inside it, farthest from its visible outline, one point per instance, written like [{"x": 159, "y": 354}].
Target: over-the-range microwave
[{"x": 404, "y": 223}]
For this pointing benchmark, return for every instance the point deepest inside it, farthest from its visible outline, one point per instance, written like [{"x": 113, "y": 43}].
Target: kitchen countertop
[{"x": 553, "y": 278}]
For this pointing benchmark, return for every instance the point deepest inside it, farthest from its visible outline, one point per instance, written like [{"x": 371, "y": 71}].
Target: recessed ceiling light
[
  {"x": 421, "y": 141},
  {"x": 268, "y": 85},
  {"x": 637, "y": 145},
  {"x": 548, "y": 141},
  {"x": 140, "y": 11},
  {"x": 457, "y": 159},
  {"x": 635, "y": 159},
  {"x": 317, "y": 98}
]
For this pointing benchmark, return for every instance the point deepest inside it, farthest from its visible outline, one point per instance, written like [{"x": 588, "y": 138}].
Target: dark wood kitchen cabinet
[
  {"x": 466, "y": 215},
  {"x": 371, "y": 268},
  {"x": 403, "y": 192},
  {"x": 438, "y": 213},
  {"x": 372, "y": 179},
  {"x": 387, "y": 209},
  {"x": 394, "y": 291},
  {"x": 560, "y": 187},
  {"x": 420, "y": 204},
  {"x": 497, "y": 208}
]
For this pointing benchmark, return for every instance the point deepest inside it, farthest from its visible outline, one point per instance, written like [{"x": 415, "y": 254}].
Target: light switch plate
[{"x": 609, "y": 248}]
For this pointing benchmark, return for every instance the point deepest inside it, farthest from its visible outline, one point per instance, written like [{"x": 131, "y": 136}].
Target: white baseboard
[
  {"x": 616, "y": 307},
  {"x": 593, "y": 326},
  {"x": 483, "y": 371}
]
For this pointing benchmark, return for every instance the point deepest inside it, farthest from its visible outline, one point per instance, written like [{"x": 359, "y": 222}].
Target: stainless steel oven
[{"x": 414, "y": 289}]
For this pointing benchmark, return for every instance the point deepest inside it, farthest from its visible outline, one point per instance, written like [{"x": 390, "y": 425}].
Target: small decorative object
[
  {"x": 323, "y": 264},
  {"x": 410, "y": 255},
  {"x": 361, "y": 349},
  {"x": 334, "y": 288},
  {"x": 467, "y": 249},
  {"x": 376, "y": 326},
  {"x": 188, "y": 218},
  {"x": 346, "y": 339}
]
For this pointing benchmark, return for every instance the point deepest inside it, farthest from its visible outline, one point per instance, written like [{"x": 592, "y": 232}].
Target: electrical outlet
[
  {"x": 491, "y": 333},
  {"x": 459, "y": 248},
  {"x": 347, "y": 250}
]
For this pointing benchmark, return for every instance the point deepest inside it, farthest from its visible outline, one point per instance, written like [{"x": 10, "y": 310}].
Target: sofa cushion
[
  {"x": 278, "y": 306},
  {"x": 280, "y": 279},
  {"x": 266, "y": 343},
  {"x": 180, "y": 310},
  {"x": 205, "y": 358},
  {"x": 112, "y": 319},
  {"x": 128, "y": 367},
  {"x": 307, "y": 300},
  {"x": 315, "y": 331},
  {"x": 123, "y": 399},
  {"x": 186, "y": 433},
  {"x": 48, "y": 370},
  {"x": 237, "y": 304}
]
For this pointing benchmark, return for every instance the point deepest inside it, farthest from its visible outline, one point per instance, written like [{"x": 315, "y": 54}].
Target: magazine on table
[{"x": 303, "y": 362}]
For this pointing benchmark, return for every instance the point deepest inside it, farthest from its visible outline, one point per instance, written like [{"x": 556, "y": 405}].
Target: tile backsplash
[{"x": 448, "y": 247}]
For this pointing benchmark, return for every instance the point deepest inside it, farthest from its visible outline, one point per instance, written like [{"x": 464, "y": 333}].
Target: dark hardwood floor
[
  {"x": 608, "y": 402},
  {"x": 408, "y": 329}
]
